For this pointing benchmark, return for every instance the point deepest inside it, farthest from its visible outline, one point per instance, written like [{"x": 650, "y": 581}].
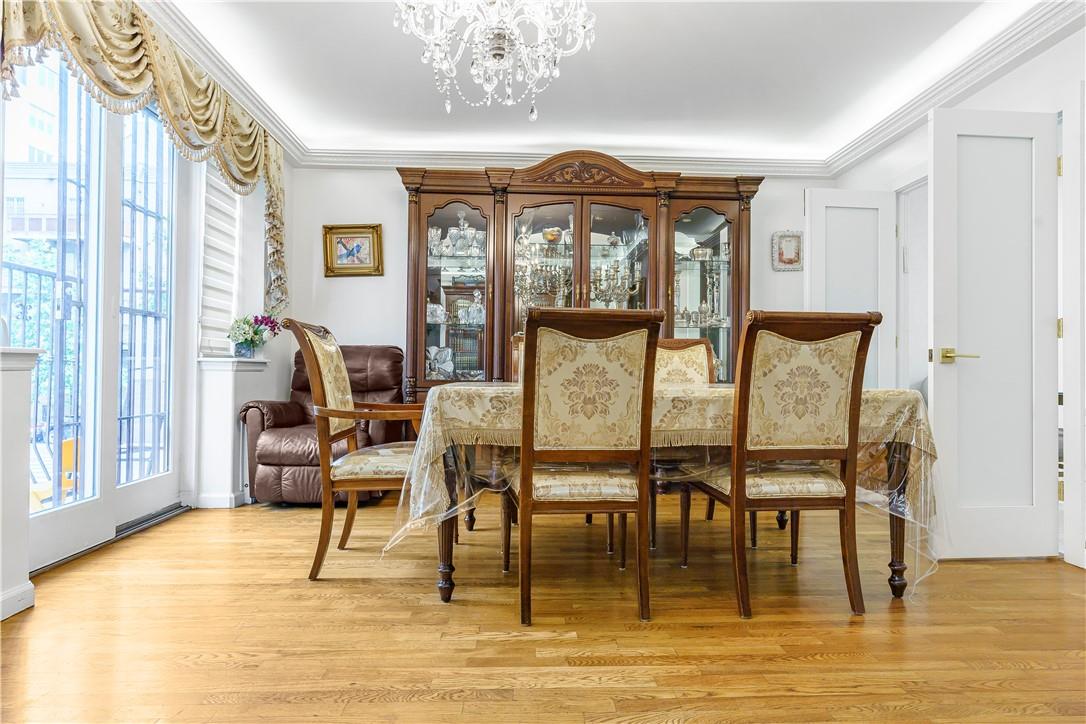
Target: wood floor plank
[{"x": 209, "y": 617}]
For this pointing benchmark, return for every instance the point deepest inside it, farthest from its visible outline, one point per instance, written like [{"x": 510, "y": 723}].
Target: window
[
  {"x": 146, "y": 302},
  {"x": 218, "y": 284},
  {"x": 44, "y": 279}
]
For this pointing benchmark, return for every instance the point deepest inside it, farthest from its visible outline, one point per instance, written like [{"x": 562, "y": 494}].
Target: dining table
[{"x": 896, "y": 455}]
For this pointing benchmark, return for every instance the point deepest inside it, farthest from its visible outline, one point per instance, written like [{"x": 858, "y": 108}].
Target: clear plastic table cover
[{"x": 471, "y": 432}]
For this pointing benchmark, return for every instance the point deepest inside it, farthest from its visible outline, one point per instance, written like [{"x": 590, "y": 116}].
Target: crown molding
[
  {"x": 332, "y": 158},
  {"x": 1039, "y": 28},
  {"x": 166, "y": 15}
]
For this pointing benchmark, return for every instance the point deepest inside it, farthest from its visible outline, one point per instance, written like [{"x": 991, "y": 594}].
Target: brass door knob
[{"x": 947, "y": 355}]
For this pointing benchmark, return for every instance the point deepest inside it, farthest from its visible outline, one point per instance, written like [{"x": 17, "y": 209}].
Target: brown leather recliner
[{"x": 284, "y": 466}]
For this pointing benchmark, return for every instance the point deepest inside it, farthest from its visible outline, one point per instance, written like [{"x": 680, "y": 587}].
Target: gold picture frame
[{"x": 353, "y": 250}]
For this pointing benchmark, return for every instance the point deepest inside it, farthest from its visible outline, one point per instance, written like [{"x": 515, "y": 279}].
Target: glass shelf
[
  {"x": 441, "y": 261},
  {"x": 723, "y": 324},
  {"x": 455, "y": 325},
  {"x": 716, "y": 264}
]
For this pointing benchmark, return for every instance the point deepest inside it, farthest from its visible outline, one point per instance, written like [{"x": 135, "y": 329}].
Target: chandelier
[{"x": 509, "y": 48}]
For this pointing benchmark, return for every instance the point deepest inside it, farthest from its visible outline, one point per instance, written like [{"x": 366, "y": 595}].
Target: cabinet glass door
[
  {"x": 702, "y": 284},
  {"x": 543, "y": 244},
  {"x": 456, "y": 314},
  {"x": 618, "y": 257}
]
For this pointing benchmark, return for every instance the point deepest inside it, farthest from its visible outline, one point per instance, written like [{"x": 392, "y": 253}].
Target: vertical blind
[{"x": 218, "y": 285}]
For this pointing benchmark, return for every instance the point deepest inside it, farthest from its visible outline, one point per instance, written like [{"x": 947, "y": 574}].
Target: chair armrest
[
  {"x": 274, "y": 413},
  {"x": 377, "y": 411}
]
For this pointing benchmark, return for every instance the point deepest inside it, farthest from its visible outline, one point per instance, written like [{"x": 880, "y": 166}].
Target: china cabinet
[{"x": 580, "y": 229}]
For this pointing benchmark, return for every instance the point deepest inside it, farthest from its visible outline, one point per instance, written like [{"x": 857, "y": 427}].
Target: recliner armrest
[{"x": 274, "y": 413}]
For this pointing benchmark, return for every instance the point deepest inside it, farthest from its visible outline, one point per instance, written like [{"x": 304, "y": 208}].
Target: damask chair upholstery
[
  {"x": 337, "y": 413},
  {"x": 795, "y": 428},
  {"x": 281, "y": 435},
  {"x": 585, "y": 435}
]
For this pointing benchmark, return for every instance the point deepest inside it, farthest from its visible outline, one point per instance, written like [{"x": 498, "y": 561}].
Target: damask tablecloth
[{"x": 482, "y": 413}]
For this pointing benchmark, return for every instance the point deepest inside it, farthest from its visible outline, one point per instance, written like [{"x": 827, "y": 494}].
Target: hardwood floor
[{"x": 209, "y": 617}]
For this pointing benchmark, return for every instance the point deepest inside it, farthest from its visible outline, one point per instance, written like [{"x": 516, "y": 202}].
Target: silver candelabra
[
  {"x": 533, "y": 280},
  {"x": 615, "y": 284}
]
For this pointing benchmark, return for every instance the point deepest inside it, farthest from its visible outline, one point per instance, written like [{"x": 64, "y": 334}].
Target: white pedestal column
[
  {"x": 224, "y": 384},
  {"x": 16, "y": 366}
]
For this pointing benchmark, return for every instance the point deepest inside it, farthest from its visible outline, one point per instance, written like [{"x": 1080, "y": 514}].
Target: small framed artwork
[
  {"x": 353, "y": 250},
  {"x": 786, "y": 249}
]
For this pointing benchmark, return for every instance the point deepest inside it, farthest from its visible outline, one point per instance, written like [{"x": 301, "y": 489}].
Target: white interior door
[
  {"x": 852, "y": 266},
  {"x": 993, "y": 294}
]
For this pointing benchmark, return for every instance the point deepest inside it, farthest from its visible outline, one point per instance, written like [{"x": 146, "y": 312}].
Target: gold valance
[{"x": 125, "y": 62}]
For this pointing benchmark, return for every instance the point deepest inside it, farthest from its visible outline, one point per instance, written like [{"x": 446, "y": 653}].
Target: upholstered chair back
[
  {"x": 588, "y": 391},
  {"x": 328, "y": 378},
  {"x": 684, "y": 361},
  {"x": 800, "y": 379},
  {"x": 585, "y": 381}
]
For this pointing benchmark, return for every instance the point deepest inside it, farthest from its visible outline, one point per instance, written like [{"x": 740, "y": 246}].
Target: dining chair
[
  {"x": 374, "y": 468},
  {"x": 585, "y": 433},
  {"x": 678, "y": 362},
  {"x": 794, "y": 430}
]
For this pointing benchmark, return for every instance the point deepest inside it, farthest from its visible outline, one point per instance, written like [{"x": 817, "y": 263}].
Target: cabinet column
[
  {"x": 496, "y": 290},
  {"x": 665, "y": 262},
  {"x": 414, "y": 258},
  {"x": 741, "y": 273}
]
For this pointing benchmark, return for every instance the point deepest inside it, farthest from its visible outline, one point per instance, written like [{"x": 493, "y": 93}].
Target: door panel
[
  {"x": 617, "y": 252},
  {"x": 852, "y": 266},
  {"x": 993, "y": 285},
  {"x": 457, "y": 312},
  {"x": 544, "y": 265}
]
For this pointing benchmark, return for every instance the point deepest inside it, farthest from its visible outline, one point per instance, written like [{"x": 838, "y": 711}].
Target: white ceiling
[{"x": 770, "y": 80}]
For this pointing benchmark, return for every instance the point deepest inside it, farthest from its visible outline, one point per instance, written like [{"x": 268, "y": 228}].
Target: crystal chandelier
[{"x": 509, "y": 48}]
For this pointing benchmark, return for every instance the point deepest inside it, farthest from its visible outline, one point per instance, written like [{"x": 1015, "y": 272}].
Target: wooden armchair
[
  {"x": 797, "y": 404},
  {"x": 380, "y": 467},
  {"x": 585, "y": 437}
]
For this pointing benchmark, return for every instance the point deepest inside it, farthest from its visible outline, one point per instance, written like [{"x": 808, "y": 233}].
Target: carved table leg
[
  {"x": 782, "y": 519},
  {"x": 897, "y": 565},
  {"x": 447, "y": 533},
  {"x": 445, "y": 584},
  {"x": 897, "y": 469}
]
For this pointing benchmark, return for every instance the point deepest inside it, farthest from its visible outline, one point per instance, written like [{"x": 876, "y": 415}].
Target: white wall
[
  {"x": 358, "y": 310},
  {"x": 1040, "y": 85},
  {"x": 778, "y": 206}
]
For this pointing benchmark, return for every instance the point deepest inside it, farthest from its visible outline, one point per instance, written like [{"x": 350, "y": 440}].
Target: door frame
[
  {"x": 1072, "y": 226},
  {"x": 904, "y": 299}
]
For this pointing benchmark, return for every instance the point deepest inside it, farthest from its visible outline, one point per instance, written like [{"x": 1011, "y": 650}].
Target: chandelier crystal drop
[{"x": 510, "y": 49}]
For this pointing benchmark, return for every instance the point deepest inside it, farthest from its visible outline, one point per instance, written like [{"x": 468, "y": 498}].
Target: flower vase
[{"x": 243, "y": 351}]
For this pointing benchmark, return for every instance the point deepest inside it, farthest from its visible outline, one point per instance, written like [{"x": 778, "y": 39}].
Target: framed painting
[
  {"x": 353, "y": 250},
  {"x": 786, "y": 250}
]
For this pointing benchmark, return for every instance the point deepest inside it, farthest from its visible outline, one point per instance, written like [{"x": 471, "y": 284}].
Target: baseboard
[
  {"x": 16, "y": 599},
  {"x": 220, "y": 500}
]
